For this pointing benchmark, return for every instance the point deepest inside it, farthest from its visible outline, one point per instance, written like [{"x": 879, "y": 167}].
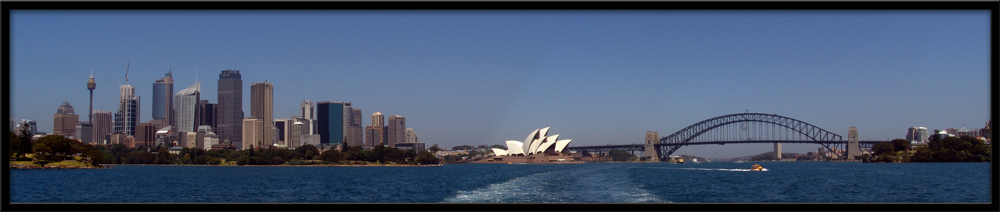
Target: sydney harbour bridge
[{"x": 743, "y": 128}]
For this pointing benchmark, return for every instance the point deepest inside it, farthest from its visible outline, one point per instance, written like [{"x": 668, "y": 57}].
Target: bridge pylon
[{"x": 651, "y": 139}]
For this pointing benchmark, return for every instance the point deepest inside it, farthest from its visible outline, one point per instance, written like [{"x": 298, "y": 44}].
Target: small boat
[
  {"x": 758, "y": 168},
  {"x": 739, "y": 161}
]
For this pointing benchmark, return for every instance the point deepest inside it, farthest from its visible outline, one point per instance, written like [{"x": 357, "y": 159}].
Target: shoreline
[{"x": 321, "y": 165}]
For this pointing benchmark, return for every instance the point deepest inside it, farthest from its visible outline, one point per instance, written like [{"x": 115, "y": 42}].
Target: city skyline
[{"x": 479, "y": 78}]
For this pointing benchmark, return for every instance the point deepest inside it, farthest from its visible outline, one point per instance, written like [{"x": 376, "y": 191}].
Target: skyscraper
[
  {"x": 83, "y": 132},
  {"x": 65, "y": 121},
  {"x": 308, "y": 111},
  {"x": 375, "y": 133},
  {"x": 330, "y": 121},
  {"x": 103, "y": 126},
  {"x": 163, "y": 99},
  {"x": 207, "y": 111},
  {"x": 145, "y": 135},
  {"x": 127, "y": 116},
  {"x": 230, "y": 116},
  {"x": 253, "y": 133},
  {"x": 283, "y": 126},
  {"x": 396, "y": 130},
  {"x": 187, "y": 110},
  {"x": 411, "y": 136},
  {"x": 262, "y": 106},
  {"x": 356, "y": 132}
]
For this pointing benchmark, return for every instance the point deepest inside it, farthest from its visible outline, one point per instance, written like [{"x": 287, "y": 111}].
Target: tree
[
  {"x": 25, "y": 138},
  {"x": 620, "y": 155},
  {"x": 331, "y": 156},
  {"x": 882, "y": 148},
  {"x": 900, "y": 145},
  {"x": 308, "y": 151},
  {"x": 434, "y": 148},
  {"x": 426, "y": 157}
]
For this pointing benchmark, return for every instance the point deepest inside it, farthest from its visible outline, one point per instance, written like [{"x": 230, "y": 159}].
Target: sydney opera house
[{"x": 537, "y": 148}]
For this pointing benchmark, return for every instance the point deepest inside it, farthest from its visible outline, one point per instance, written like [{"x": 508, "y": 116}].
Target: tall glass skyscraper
[
  {"x": 187, "y": 109},
  {"x": 163, "y": 99},
  {"x": 330, "y": 121},
  {"x": 230, "y": 116},
  {"x": 127, "y": 116}
]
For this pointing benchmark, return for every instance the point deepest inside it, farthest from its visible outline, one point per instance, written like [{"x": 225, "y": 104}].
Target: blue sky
[{"x": 483, "y": 77}]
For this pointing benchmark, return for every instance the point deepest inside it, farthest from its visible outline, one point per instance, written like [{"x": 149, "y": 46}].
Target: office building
[
  {"x": 411, "y": 136},
  {"x": 163, "y": 99},
  {"x": 127, "y": 116},
  {"x": 253, "y": 133},
  {"x": 419, "y": 147},
  {"x": 209, "y": 139},
  {"x": 103, "y": 126},
  {"x": 65, "y": 121},
  {"x": 308, "y": 111},
  {"x": 355, "y": 132},
  {"x": 230, "y": 107},
  {"x": 207, "y": 111},
  {"x": 332, "y": 122},
  {"x": 262, "y": 106},
  {"x": 84, "y": 132},
  {"x": 396, "y": 130},
  {"x": 281, "y": 131},
  {"x": 187, "y": 110},
  {"x": 145, "y": 135},
  {"x": 375, "y": 133}
]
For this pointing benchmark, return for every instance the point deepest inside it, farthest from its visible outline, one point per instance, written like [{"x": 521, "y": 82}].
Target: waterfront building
[
  {"x": 538, "y": 147},
  {"x": 230, "y": 106},
  {"x": 103, "y": 126},
  {"x": 411, "y": 136},
  {"x": 253, "y": 133},
  {"x": 332, "y": 122},
  {"x": 396, "y": 130},
  {"x": 84, "y": 132},
  {"x": 186, "y": 108},
  {"x": 145, "y": 135},
  {"x": 922, "y": 134},
  {"x": 419, "y": 147},
  {"x": 163, "y": 102},
  {"x": 262, "y": 106},
  {"x": 207, "y": 111},
  {"x": 65, "y": 121}
]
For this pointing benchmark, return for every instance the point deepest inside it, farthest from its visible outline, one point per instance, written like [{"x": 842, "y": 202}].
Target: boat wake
[{"x": 577, "y": 185}]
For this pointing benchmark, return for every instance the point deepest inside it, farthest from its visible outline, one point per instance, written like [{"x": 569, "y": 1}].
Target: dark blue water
[{"x": 591, "y": 183}]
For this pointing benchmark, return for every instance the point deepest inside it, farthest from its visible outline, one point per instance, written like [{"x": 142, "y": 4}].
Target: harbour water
[{"x": 794, "y": 182}]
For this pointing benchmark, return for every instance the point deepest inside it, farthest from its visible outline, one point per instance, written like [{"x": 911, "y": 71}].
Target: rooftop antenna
[{"x": 126, "y": 69}]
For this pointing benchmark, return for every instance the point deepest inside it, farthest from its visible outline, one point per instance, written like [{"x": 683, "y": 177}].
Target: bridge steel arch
[{"x": 685, "y": 135}]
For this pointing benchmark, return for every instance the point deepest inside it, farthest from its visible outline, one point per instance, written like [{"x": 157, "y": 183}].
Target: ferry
[{"x": 758, "y": 168}]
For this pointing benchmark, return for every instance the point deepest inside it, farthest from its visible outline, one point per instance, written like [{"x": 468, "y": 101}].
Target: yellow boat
[{"x": 758, "y": 168}]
